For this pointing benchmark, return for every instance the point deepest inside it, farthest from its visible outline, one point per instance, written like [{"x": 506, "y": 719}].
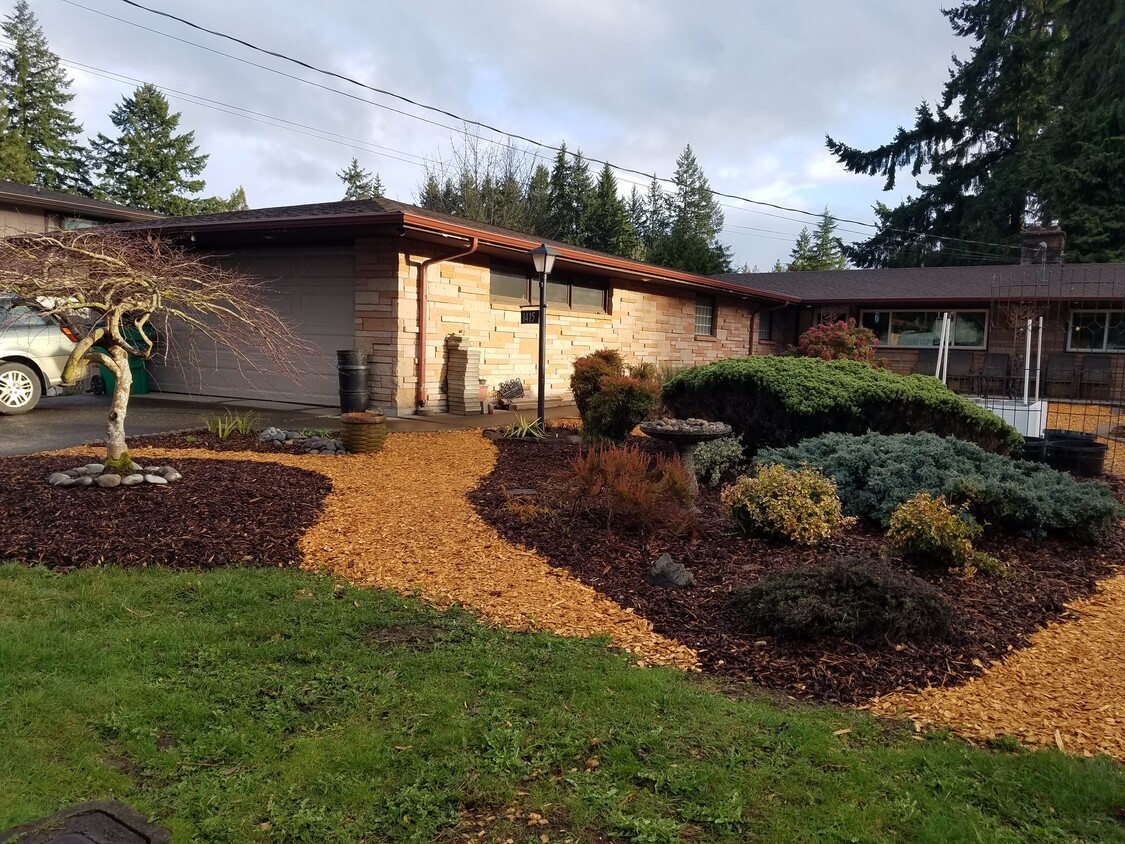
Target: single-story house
[
  {"x": 1082, "y": 307},
  {"x": 408, "y": 286},
  {"x": 28, "y": 209}
]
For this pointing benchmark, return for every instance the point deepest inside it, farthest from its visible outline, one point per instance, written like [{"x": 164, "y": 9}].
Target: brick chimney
[{"x": 1042, "y": 245}]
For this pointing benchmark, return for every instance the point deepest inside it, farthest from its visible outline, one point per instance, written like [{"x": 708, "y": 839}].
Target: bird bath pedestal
[{"x": 686, "y": 435}]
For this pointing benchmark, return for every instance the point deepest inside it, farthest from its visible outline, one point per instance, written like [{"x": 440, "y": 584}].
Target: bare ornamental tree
[{"x": 114, "y": 288}]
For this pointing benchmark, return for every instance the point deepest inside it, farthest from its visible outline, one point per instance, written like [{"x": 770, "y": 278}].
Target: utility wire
[{"x": 489, "y": 127}]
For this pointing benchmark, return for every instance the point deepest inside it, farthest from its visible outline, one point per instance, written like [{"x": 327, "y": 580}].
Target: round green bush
[{"x": 859, "y": 599}]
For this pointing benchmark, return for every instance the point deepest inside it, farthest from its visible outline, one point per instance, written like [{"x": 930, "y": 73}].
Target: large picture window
[
  {"x": 1096, "y": 331},
  {"x": 922, "y": 329},
  {"x": 564, "y": 292}
]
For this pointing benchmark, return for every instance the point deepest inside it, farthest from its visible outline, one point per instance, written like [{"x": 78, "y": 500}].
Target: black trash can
[
  {"x": 1035, "y": 448},
  {"x": 1079, "y": 457},
  {"x": 354, "y": 394}
]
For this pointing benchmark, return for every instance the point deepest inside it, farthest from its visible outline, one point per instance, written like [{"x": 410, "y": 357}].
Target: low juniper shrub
[
  {"x": 793, "y": 505},
  {"x": 634, "y": 491},
  {"x": 875, "y": 473},
  {"x": 853, "y": 598}
]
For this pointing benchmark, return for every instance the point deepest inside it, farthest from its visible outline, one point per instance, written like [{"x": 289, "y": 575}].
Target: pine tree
[
  {"x": 657, "y": 218},
  {"x": 607, "y": 224},
  {"x": 692, "y": 243},
  {"x": 218, "y": 204},
  {"x": 148, "y": 165},
  {"x": 802, "y": 257},
  {"x": 1085, "y": 147},
  {"x": 14, "y": 165},
  {"x": 35, "y": 93},
  {"x": 778, "y": 267},
  {"x": 538, "y": 201},
  {"x": 560, "y": 199},
  {"x": 978, "y": 143},
  {"x": 359, "y": 183}
]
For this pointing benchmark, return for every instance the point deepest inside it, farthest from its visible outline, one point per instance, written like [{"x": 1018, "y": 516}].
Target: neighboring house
[
  {"x": 397, "y": 282},
  {"x": 1082, "y": 307},
  {"x": 24, "y": 208}
]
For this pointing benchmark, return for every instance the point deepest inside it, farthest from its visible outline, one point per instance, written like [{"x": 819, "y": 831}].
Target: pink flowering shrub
[{"x": 838, "y": 341}]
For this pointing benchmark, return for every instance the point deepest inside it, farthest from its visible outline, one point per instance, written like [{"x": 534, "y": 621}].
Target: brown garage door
[{"x": 314, "y": 290}]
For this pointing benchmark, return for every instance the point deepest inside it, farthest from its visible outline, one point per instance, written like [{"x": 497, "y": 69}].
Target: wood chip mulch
[
  {"x": 1067, "y": 690},
  {"x": 996, "y": 615},
  {"x": 401, "y": 520},
  {"x": 220, "y": 513}
]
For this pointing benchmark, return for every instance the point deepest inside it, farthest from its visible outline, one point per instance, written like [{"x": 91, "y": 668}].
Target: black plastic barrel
[
  {"x": 1079, "y": 457},
  {"x": 1059, "y": 435},
  {"x": 1035, "y": 448},
  {"x": 354, "y": 395}
]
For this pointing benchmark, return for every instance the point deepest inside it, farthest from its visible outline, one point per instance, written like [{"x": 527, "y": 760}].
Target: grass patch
[{"x": 271, "y": 705}]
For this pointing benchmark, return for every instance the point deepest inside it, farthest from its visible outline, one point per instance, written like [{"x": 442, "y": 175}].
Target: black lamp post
[{"x": 544, "y": 258}]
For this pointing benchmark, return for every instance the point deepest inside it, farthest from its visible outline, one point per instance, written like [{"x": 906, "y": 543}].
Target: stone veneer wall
[{"x": 645, "y": 322}]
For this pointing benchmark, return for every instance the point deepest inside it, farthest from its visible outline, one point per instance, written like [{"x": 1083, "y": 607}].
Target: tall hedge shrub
[
  {"x": 778, "y": 401},
  {"x": 875, "y": 473}
]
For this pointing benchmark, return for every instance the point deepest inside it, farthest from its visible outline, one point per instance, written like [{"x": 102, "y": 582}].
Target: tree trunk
[{"x": 115, "y": 425}]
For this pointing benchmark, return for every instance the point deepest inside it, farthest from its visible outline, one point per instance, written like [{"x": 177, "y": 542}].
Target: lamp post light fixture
[{"x": 544, "y": 258}]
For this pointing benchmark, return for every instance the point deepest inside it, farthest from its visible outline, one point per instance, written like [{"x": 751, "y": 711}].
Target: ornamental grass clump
[
  {"x": 930, "y": 531},
  {"x": 794, "y": 505},
  {"x": 858, "y": 599},
  {"x": 838, "y": 341},
  {"x": 632, "y": 490}
]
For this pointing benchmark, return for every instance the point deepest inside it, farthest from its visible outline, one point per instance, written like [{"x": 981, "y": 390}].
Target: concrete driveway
[{"x": 65, "y": 421}]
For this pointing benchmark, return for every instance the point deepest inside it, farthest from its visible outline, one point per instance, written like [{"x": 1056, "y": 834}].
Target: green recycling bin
[{"x": 136, "y": 367}]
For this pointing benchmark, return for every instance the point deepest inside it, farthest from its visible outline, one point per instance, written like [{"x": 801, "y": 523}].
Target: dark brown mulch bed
[
  {"x": 223, "y": 512},
  {"x": 994, "y": 614},
  {"x": 209, "y": 441}
]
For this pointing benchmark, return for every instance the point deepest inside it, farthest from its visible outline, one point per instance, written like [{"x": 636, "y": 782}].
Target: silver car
[{"x": 34, "y": 348}]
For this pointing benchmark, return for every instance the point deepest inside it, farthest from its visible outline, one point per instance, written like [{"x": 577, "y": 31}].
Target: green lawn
[{"x": 267, "y": 705}]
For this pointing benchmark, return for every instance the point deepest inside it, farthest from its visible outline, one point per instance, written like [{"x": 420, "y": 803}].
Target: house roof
[
  {"x": 350, "y": 214},
  {"x": 49, "y": 200},
  {"x": 943, "y": 284}
]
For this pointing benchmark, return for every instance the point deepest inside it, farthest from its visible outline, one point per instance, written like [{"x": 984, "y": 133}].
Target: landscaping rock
[
  {"x": 108, "y": 480},
  {"x": 93, "y": 469},
  {"x": 85, "y": 480},
  {"x": 668, "y": 574},
  {"x": 132, "y": 480},
  {"x": 172, "y": 475},
  {"x": 155, "y": 479},
  {"x": 59, "y": 479}
]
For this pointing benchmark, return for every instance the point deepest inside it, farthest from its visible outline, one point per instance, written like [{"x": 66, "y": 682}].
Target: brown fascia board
[
  {"x": 406, "y": 220},
  {"x": 80, "y": 206}
]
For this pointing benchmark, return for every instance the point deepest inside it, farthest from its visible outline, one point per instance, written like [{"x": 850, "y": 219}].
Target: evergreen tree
[
  {"x": 692, "y": 243},
  {"x": 538, "y": 201},
  {"x": 1084, "y": 149},
  {"x": 14, "y": 165},
  {"x": 978, "y": 144},
  {"x": 608, "y": 228},
  {"x": 148, "y": 165},
  {"x": 778, "y": 267},
  {"x": 359, "y": 183},
  {"x": 563, "y": 219},
  {"x": 41, "y": 133},
  {"x": 654, "y": 229},
  {"x": 802, "y": 256},
  {"x": 821, "y": 250},
  {"x": 217, "y": 204}
]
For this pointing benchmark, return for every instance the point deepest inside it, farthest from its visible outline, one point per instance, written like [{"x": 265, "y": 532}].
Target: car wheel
[{"x": 19, "y": 389}]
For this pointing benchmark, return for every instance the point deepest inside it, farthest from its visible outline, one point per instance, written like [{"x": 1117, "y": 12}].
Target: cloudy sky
[{"x": 752, "y": 86}]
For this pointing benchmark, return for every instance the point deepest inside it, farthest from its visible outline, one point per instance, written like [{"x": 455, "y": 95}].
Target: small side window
[{"x": 705, "y": 316}]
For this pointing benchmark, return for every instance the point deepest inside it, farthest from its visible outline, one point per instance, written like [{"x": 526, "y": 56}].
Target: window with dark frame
[
  {"x": 563, "y": 292},
  {"x": 1096, "y": 331},
  {"x": 922, "y": 329},
  {"x": 704, "y": 316},
  {"x": 765, "y": 327}
]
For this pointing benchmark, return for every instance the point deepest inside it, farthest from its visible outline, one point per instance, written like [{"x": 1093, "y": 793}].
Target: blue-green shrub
[
  {"x": 776, "y": 401},
  {"x": 875, "y": 473}
]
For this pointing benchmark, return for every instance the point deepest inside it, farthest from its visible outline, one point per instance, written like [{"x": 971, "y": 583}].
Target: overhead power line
[{"x": 486, "y": 126}]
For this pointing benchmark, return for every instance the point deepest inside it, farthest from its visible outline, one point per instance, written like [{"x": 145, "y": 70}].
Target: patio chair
[
  {"x": 959, "y": 375},
  {"x": 1059, "y": 383},
  {"x": 926, "y": 363},
  {"x": 1095, "y": 373},
  {"x": 994, "y": 375}
]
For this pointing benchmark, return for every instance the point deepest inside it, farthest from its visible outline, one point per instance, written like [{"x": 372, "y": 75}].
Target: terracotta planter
[{"x": 364, "y": 433}]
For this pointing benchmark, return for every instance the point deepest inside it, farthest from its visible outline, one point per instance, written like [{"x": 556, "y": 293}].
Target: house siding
[{"x": 646, "y": 323}]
